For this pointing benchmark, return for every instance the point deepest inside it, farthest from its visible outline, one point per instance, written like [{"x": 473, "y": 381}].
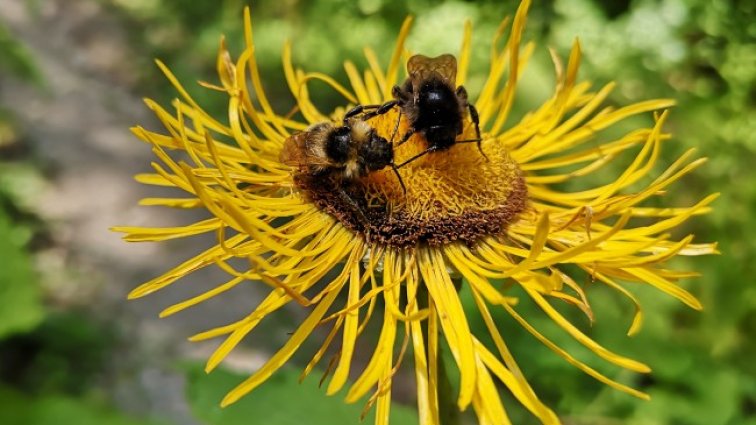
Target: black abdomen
[{"x": 439, "y": 115}]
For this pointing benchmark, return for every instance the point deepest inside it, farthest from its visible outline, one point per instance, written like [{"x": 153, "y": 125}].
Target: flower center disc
[{"x": 452, "y": 195}]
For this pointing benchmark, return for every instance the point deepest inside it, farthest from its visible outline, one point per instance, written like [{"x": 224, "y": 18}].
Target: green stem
[
  {"x": 447, "y": 406},
  {"x": 448, "y": 412}
]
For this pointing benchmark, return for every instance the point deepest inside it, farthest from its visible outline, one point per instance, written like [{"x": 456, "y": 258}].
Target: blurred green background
[{"x": 72, "y": 73}]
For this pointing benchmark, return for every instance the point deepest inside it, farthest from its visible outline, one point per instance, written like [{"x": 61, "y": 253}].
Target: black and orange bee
[
  {"x": 431, "y": 103},
  {"x": 346, "y": 153}
]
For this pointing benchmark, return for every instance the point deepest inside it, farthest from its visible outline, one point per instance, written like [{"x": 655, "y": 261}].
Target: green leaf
[
  {"x": 17, "y": 59},
  {"x": 19, "y": 409},
  {"x": 281, "y": 400},
  {"x": 20, "y": 304}
]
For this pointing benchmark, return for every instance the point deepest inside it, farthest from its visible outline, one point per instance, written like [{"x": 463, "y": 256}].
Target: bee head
[{"x": 378, "y": 152}]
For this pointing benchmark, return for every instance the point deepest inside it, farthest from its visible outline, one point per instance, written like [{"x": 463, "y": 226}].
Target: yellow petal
[{"x": 283, "y": 355}]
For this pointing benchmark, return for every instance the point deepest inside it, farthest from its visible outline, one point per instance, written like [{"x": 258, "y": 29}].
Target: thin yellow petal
[
  {"x": 464, "y": 54},
  {"x": 350, "y": 334},
  {"x": 283, "y": 355},
  {"x": 394, "y": 63},
  {"x": 453, "y": 320}
]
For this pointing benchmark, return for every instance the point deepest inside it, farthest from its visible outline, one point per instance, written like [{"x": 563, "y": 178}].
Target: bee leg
[
  {"x": 397, "y": 93},
  {"x": 380, "y": 109},
  {"x": 386, "y": 106},
  {"x": 376, "y": 110},
  {"x": 425, "y": 152},
  {"x": 355, "y": 208},
  {"x": 356, "y": 111},
  {"x": 396, "y": 127},
  {"x": 406, "y": 136},
  {"x": 462, "y": 96},
  {"x": 476, "y": 121},
  {"x": 398, "y": 176}
]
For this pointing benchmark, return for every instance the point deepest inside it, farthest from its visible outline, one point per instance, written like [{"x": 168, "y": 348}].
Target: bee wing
[
  {"x": 293, "y": 152},
  {"x": 297, "y": 152},
  {"x": 421, "y": 67}
]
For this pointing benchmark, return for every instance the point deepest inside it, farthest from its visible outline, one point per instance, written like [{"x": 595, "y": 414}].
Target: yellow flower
[{"x": 492, "y": 223}]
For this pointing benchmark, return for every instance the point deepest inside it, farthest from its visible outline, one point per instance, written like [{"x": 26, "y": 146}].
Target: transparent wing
[
  {"x": 305, "y": 149},
  {"x": 293, "y": 151},
  {"x": 421, "y": 67}
]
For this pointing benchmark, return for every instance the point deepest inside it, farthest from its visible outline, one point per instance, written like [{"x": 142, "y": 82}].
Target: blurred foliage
[
  {"x": 16, "y": 59},
  {"x": 312, "y": 406},
  {"x": 50, "y": 361},
  {"x": 20, "y": 304},
  {"x": 19, "y": 409},
  {"x": 21, "y": 308},
  {"x": 698, "y": 52},
  {"x": 49, "y": 375},
  {"x": 186, "y": 36}
]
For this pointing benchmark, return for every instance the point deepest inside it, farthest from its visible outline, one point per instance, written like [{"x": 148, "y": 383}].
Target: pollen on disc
[{"x": 451, "y": 195}]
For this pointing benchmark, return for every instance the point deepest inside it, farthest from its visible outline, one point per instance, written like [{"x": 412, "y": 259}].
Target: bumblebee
[
  {"x": 431, "y": 103},
  {"x": 345, "y": 153},
  {"x": 339, "y": 155}
]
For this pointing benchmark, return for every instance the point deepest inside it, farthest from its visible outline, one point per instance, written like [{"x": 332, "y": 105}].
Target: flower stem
[
  {"x": 448, "y": 412},
  {"x": 447, "y": 406}
]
